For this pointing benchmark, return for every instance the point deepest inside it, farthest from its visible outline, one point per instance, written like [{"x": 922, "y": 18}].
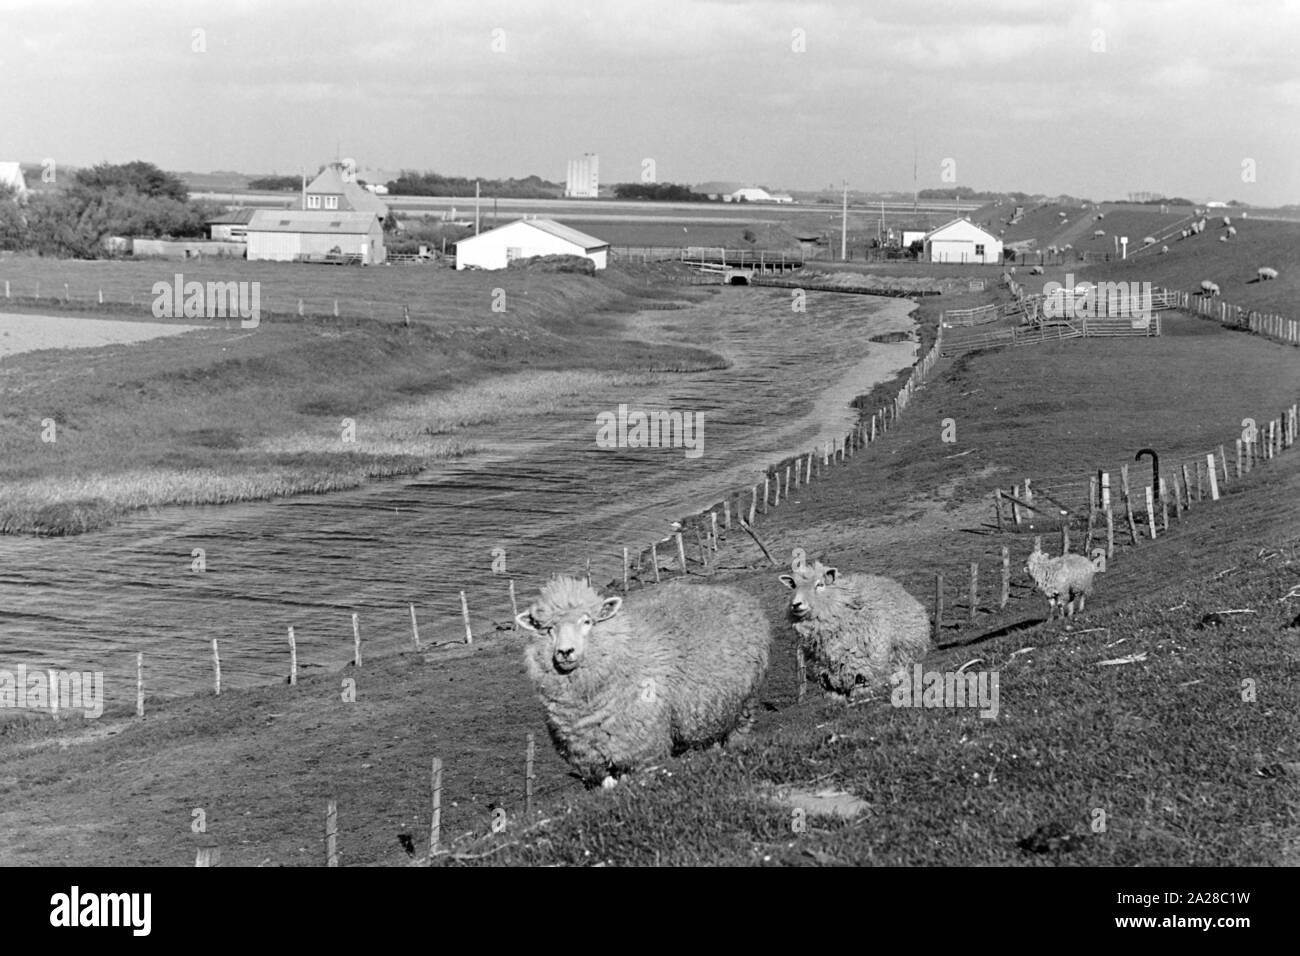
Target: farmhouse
[
  {"x": 11, "y": 175},
  {"x": 497, "y": 248},
  {"x": 962, "y": 241},
  {"x": 286, "y": 235},
  {"x": 336, "y": 189}
]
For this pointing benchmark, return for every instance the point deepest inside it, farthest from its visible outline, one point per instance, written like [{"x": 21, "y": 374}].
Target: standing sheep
[
  {"x": 626, "y": 683},
  {"x": 1209, "y": 288},
  {"x": 859, "y": 628},
  {"x": 1266, "y": 272},
  {"x": 1063, "y": 580}
]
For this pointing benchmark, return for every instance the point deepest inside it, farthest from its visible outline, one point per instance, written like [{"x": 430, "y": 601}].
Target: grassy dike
[
  {"x": 1164, "y": 750},
  {"x": 223, "y": 415}
]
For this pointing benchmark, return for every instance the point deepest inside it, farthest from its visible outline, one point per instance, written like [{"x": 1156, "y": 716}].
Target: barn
[
  {"x": 962, "y": 241},
  {"x": 286, "y": 235},
  {"x": 497, "y": 248},
  {"x": 232, "y": 225}
]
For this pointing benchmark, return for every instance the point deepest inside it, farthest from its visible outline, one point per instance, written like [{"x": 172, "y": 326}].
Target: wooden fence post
[
  {"x": 435, "y": 822},
  {"x": 938, "y": 604},
  {"x": 654, "y": 559},
  {"x": 356, "y": 639},
  {"x": 1239, "y": 459},
  {"x": 1128, "y": 505},
  {"x": 1006, "y": 578},
  {"x": 216, "y": 668},
  {"x": 332, "y": 833},
  {"x": 415, "y": 625},
  {"x": 1164, "y": 506},
  {"x": 625, "y": 571},
  {"x": 1178, "y": 498},
  {"x": 139, "y": 684},
  {"x": 464, "y": 613},
  {"x": 1187, "y": 486},
  {"x": 800, "y": 672},
  {"x": 767, "y": 491},
  {"x": 529, "y": 755},
  {"x": 777, "y": 502},
  {"x": 753, "y": 504},
  {"x": 681, "y": 552},
  {"x": 1110, "y": 533},
  {"x": 1151, "y": 513},
  {"x": 997, "y": 508},
  {"x": 1214, "y": 478},
  {"x": 293, "y": 658},
  {"x": 1223, "y": 464},
  {"x": 974, "y": 589}
]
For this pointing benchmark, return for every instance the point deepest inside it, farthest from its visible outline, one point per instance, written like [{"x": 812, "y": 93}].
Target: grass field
[
  {"x": 1184, "y": 770},
  {"x": 217, "y": 416}
]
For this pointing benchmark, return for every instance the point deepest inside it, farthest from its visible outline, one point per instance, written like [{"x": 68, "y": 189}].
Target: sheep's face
[
  {"x": 567, "y": 630},
  {"x": 1034, "y": 562},
  {"x": 809, "y": 585}
]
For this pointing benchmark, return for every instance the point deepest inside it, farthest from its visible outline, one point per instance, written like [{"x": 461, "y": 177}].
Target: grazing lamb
[
  {"x": 1036, "y": 271},
  {"x": 628, "y": 682},
  {"x": 1266, "y": 272},
  {"x": 859, "y": 628},
  {"x": 1063, "y": 580},
  {"x": 1209, "y": 288}
]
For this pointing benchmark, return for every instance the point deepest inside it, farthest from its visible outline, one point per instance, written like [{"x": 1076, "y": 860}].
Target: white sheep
[
  {"x": 1036, "y": 271},
  {"x": 1148, "y": 240},
  {"x": 1209, "y": 288},
  {"x": 859, "y": 628},
  {"x": 1227, "y": 220},
  {"x": 1163, "y": 250},
  {"x": 1232, "y": 231},
  {"x": 1097, "y": 234},
  {"x": 1266, "y": 272},
  {"x": 1063, "y": 580},
  {"x": 628, "y": 682}
]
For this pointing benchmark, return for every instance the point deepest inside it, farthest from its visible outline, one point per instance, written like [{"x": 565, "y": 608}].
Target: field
[
  {"x": 1184, "y": 771},
  {"x": 262, "y": 410}
]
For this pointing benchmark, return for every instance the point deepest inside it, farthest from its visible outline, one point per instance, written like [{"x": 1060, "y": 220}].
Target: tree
[{"x": 144, "y": 178}]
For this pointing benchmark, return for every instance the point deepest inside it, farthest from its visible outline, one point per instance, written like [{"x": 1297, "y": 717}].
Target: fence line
[{"x": 1270, "y": 325}]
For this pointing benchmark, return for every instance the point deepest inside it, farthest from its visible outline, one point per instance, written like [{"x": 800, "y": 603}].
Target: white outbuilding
[
  {"x": 286, "y": 235},
  {"x": 964, "y": 242},
  {"x": 525, "y": 238}
]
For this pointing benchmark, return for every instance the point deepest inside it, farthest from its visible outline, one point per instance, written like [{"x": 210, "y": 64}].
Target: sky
[{"x": 1187, "y": 98}]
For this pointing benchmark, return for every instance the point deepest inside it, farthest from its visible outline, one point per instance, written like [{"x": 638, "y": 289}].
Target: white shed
[
  {"x": 962, "y": 241},
  {"x": 497, "y": 248},
  {"x": 286, "y": 235}
]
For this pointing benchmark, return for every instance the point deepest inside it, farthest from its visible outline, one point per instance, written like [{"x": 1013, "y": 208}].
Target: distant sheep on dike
[
  {"x": 1063, "y": 580},
  {"x": 628, "y": 682},
  {"x": 1265, "y": 273},
  {"x": 859, "y": 628}
]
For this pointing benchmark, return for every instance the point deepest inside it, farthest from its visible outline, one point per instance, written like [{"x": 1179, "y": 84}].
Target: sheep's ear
[
  {"x": 527, "y": 622},
  {"x": 829, "y": 575},
  {"x": 609, "y": 608},
  {"x": 788, "y": 581}
]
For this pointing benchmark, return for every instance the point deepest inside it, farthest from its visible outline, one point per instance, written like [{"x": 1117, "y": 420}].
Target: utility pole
[
  {"x": 476, "y": 207},
  {"x": 844, "y": 225}
]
